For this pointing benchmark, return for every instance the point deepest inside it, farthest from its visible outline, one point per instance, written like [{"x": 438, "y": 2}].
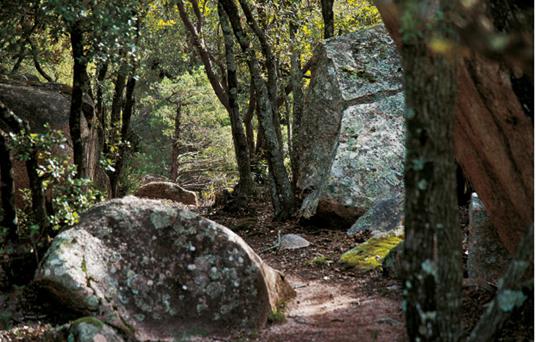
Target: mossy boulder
[
  {"x": 158, "y": 271},
  {"x": 370, "y": 254}
]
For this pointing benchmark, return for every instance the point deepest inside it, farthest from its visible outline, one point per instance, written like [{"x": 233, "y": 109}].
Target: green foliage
[{"x": 70, "y": 195}]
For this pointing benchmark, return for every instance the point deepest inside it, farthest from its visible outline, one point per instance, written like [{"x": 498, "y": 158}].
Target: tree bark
[
  {"x": 297, "y": 102},
  {"x": 79, "y": 83},
  {"x": 494, "y": 136},
  {"x": 117, "y": 103},
  {"x": 432, "y": 249},
  {"x": 7, "y": 189},
  {"x": 102, "y": 70},
  {"x": 174, "y": 169},
  {"x": 245, "y": 184},
  {"x": 128, "y": 110},
  {"x": 282, "y": 197},
  {"x": 248, "y": 121},
  {"x": 327, "y": 16}
]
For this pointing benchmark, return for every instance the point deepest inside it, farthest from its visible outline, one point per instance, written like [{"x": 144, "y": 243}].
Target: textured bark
[
  {"x": 282, "y": 197},
  {"x": 175, "y": 145},
  {"x": 102, "y": 70},
  {"x": 493, "y": 137},
  {"x": 117, "y": 103},
  {"x": 7, "y": 190},
  {"x": 432, "y": 249},
  {"x": 498, "y": 311},
  {"x": 245, "y": 184},
  {"x": 327, "y": 16},
  {"x": 128, "y": 110},
  {"x": 79, "y": 82},
  {"x": 248, "y": 121},
  {"x": 297, "y": 102}
]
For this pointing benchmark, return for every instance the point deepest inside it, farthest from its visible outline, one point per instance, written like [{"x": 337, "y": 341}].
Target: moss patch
[{"x": 370, "y": 254}]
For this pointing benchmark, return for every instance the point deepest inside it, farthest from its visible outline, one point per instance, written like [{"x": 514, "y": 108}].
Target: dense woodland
[{"x": 396, "y": 136}]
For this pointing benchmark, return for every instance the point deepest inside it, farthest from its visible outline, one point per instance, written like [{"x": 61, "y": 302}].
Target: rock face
[
  {"x": 160, "y": 272},
  {"x": 49, "y": 103},
  {"x": 385, "y": 217},
  {"x": 487, "y": 259},
  {"x": 493, "y": 133},
  {"x": 354, "y": 115},
  {"x": 167, "y": 190}
]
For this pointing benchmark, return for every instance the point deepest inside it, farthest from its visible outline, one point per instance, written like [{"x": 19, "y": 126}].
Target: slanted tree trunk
[
  {"x": 174, "y": 169},
  {"x": 79, "y": 84},
  {"x": 245, "y": 184},
  {"x": 7, "y": 188},
  {"x": 282, "y": 197},
  {"x": 327, "y": 16},
  {"x": 432, "y": 249}
]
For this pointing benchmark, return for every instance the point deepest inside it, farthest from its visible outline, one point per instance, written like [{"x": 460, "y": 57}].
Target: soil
[{"x": 333, "y": 303}]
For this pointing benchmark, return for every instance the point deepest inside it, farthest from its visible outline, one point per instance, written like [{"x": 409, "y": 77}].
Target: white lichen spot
[
  {"x": 185, "y": 288},
  {"x": 191, "y": 267}
]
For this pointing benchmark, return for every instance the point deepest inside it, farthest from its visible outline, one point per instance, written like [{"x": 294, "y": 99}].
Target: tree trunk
[
  {"x": 7, "y": 189},
  {"x": 327, "y": 16},
  {"x": 128, "y": 109},
  {"x": 174, "y": 169},
  {"x": 117, "y": 104},
  {"x": 297, "y": 102},
  {"x": 79, "y": 83},
  {"x": 102, "y": 70},
  {"x": 282, "y": 197},
  {"x": 432, "y": 249},
  {"x": 239, "y": 138},
  {"x": 204, "y": 54},
  {"x": 248, "y": 121},
  {"x": 493, "y": 134},
  {"x": 19, "y": 126}
]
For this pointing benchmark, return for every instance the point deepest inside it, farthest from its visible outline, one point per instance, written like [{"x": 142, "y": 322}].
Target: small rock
[
  {"x": 385, "y": 217},
  {"x": 167, "y": 190},
  {"x": 293, "y": 241}
]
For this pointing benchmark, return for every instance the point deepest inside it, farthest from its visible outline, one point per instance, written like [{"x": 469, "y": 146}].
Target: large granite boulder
[
  {"x": 167, "y": 190},
  {"x": 158, "y": 271},
  {"x": 351, "y": 139},
  {"x": 40, "y": 104}
]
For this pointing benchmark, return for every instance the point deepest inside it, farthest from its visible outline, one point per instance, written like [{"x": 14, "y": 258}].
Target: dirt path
[
  {"x": 332, "y": 303},
  {"x": 327, "y": 312}
]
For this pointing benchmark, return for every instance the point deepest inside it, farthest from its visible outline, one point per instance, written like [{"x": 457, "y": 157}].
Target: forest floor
[{"x": 333, "y": 303}]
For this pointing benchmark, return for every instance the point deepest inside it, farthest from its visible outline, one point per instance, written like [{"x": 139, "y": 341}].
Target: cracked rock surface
[
  {"x": 354, "y": 113},
  {"x": 157, "y": 271}
]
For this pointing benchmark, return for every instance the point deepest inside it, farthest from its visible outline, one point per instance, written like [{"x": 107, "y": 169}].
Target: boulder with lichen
[{"x": 158, "y": 271}]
